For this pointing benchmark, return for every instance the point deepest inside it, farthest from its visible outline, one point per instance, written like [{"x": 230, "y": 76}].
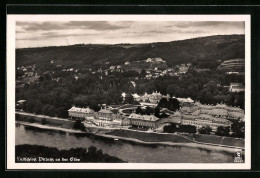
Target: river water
[{"x": 133, "y": 153}]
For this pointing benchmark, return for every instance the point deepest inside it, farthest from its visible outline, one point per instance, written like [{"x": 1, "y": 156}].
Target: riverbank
[
  {"x": 49, "y": 127},
  {"x": 187, "y": 143}
]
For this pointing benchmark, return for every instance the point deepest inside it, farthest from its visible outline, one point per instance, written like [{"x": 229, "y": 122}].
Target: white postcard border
[{"x": 10, "y": 67}]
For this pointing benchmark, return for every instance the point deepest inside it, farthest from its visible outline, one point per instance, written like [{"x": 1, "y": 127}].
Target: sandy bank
[{"x": 49, "y": 127}]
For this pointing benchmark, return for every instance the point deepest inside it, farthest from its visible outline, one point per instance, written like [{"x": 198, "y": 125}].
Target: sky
[{"x": 61, "y": 33}]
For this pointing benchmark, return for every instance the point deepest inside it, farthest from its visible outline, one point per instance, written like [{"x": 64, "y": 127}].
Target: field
[
  {"x": 176, "y": 52},
  {"x": 233, "y": 141},
  {"x": 149, "y": 137},
  {"x": 127, "y": 106},
  {"x": 229, "y": 141},
  {"x": 209, "y": 139}
]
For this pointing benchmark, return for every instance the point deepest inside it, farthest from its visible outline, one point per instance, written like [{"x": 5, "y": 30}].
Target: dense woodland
[
  {"x": 210, "y": 48},
  {"x": 56, "y": 91},
  {"x": 53, "y": 97}
]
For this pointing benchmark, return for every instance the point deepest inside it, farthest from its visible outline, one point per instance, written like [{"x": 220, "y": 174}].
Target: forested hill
[{"x": 219, "y": 47}]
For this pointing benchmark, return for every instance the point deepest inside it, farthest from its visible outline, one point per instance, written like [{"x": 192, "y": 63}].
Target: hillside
[{"x": 205, "y": 48}]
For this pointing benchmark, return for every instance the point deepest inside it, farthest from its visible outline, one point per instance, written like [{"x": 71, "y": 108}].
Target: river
[{"x": 133, "y": 153}]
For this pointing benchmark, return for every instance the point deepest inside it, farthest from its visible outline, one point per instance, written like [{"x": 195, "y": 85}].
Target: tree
[
  {"x": 129, "y": 98},
  {"x": 44, "y": 121},
  {"x": 163, "y": 103},
  {"x": 164, "y": 115},
  {"x": 80, "y": 100},
  {"x": 139, "y": 110},
  {"x": 37, "y": 107},
  {"x": 31, "y": 120},
  {"x": 45, "y": 109},
  {"x": 157, "y": 111},
  {"x": 205, "y": 130},
  {"x": 61, "y": 112},
  {"x": 78, "y": 125},
  {"x": 187, "y": 128},
  {"x": 223, "y": 131},
  {"x": 170, "y": 128},
  {"x": 148, "y": 110},
  {"x": 238, "y": 129},
  {"x": 41, "y": 78},
  {"x": 174, "y": 104},
  {"x": 51, "y": 111},
  {"x": 95, "y": 107}
]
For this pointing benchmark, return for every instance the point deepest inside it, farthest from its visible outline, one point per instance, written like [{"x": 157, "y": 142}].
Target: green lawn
[
  {"x": 230, "y": 141},
  {"x": 149, "y": 137},
  {"x": 209, "y": 139},
  {"x": 128, "y": 106},
  {"x": 127, "y": 111},
  {"x": 233, "y": 142}
]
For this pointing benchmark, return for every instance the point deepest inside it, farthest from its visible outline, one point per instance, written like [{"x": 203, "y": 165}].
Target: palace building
[
  {"x": 190, "y": 113},
  {"x": 79, "y": 112},
  {"x": 201, "y": 115},
  {"x": 143, "y": 120}
]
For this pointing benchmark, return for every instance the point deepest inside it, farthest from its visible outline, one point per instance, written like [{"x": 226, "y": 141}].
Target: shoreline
[{"x": 193, "y": 144}]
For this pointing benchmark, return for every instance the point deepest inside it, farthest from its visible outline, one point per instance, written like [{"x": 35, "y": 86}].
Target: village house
[
  {"x": 157, "y": 59},
  {"x": 236, "y": 87},
  {"x": 127, "y": 63},
  {"x": 112, "y": 68}
]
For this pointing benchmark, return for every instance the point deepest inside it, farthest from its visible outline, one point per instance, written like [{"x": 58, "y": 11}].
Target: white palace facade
[{"x": 195, "y": 114}]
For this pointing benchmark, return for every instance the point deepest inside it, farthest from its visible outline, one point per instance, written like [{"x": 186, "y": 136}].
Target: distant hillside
[{"x": 205, "y": 48}]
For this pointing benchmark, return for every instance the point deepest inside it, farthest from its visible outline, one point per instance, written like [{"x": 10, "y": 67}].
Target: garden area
[{"x": 149, "y": 137}]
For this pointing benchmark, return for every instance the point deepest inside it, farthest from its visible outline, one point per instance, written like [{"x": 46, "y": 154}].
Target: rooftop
[
  {"x": 105, "y": 111},
  {"x": 143, "y": 117},
  {"x": 85, "y": 110}
]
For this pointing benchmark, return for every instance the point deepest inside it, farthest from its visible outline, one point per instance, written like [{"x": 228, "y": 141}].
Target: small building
[
  {"x": 149, "y": 60},
  {"x": 158, "y": 59},
  {"x": 136, "y": 96},
  {"x": 236, "y": 87},
  {"x": 21, "y": 101},
  {"x": 112, "y": 67},
  {"x": 185, "y": 100},
  {"x": 127, "y": 63}
]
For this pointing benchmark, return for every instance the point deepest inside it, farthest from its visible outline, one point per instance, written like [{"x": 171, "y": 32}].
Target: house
[
  {"x": 136, "y": 96},
  {"x": 21, "y": 101},
  {"x": 133, "y": 83},
  {"x": 149, "y": 60},
  {"x": 158, "y": 59},
  {"x": 127, "y": 63},
  {"x": 112, "y": 67},
  {"x": 123, "y": 96},
  {"x": 149, "y": 76},
  {"x": 185, "y": 100},
  {"x": 155, "y": 97},
  {"x": 236, "y": 87}
]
